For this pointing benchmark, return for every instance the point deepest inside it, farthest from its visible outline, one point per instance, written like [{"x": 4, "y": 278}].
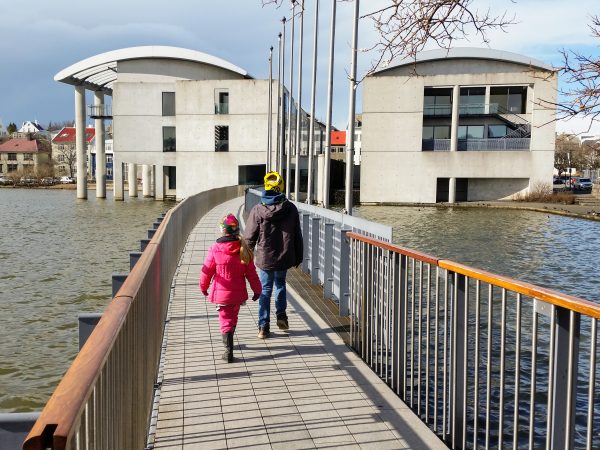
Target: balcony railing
[
  {"x": 100, "y": 111},
  {"x": 468, "y": 109},
  {"x": 443, "y": 145},
  {"x": 221, "y": 108}
]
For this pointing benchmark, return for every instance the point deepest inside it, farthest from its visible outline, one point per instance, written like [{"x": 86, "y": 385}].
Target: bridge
[{"x": 387, "y": 348}]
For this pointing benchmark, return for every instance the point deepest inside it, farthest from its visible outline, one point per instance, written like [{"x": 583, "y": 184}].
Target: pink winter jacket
[{"x": 223, "y": 263}]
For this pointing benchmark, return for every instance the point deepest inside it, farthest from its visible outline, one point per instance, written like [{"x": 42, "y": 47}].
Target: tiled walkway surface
[{"x": 301, "y": 389}]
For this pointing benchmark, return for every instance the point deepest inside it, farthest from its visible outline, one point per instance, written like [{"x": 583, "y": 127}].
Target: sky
[{"x": 38, "y": 38}]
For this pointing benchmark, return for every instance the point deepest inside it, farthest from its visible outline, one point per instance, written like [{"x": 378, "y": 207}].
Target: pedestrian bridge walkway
[{"x": 299, "y": 389}]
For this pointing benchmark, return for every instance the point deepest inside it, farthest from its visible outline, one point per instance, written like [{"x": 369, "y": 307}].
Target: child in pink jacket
[{"x": 230, "y": 262}]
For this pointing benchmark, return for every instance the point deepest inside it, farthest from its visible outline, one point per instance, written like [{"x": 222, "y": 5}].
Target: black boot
[{"x": 228, "y": 344}]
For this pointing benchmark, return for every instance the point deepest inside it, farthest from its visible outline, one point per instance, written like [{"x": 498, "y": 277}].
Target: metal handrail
[
  {"x": 105, "y": 398},
  {"x": 479, "y": 357}
]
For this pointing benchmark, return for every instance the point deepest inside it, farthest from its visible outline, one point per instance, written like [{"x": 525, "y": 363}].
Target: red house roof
[
  {"x": 67, "y": 135},
  {"x": 20, "y": 146},
  {"x": 338, "y": 138}
]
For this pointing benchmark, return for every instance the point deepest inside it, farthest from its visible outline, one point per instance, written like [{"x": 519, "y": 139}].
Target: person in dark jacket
[{"x": 273, "y": 231}]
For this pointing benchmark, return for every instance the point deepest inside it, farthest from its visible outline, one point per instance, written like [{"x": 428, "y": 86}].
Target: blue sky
[{"x": 38, "y": 38}]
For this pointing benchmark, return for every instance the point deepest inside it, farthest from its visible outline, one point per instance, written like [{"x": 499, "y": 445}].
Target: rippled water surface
[
  {"x": 556, "y": 252},
  {"x": 57, "y": 255}
]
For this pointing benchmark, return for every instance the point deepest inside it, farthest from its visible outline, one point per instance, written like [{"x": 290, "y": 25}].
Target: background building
[
  {"x": 64, "y": 151},
  {"x": 470, "y": 126},
  {"x": 23, "y": 155}
]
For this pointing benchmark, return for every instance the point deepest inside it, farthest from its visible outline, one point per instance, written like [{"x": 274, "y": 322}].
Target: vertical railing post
[
  {"x": 395, "y": 320},
  {"x": 459, "y": 377},
  {"x": 307, "y": 235},
  {"x": 344, "y": 273},
  {"x": 133, "y": 259},
  {"x": 328, "y": 265},
  {"x": 565, "y": 378},
  {"x": 314, "y": 251},
  {"x": 87, "y": 323},
  {"x": 144, "y": 244},
  {"x": 117, "y": 281}
]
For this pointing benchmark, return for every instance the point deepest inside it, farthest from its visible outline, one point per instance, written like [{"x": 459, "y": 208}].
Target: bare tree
[
  {"x": 67, "y": 155},
  {"x": 582, "y": 77},
  {"x": 405, "y": 27}
]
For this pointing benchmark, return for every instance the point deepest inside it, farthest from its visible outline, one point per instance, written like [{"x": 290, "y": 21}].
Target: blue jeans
[{"x": 268, "y": 278}]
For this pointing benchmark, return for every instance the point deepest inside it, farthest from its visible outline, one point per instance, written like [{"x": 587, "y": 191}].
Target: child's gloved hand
[
  {"x": 255, "y": 297},
  {"x": 205, "y": 293}
]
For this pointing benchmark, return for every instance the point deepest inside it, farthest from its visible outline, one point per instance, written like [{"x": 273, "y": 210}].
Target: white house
[
  {"x": 31, "y": 127},
  {"x": 471, "y": 125}
]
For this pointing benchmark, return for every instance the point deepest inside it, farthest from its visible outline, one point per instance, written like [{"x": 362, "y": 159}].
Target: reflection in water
[
  {"x": 556, "y": 252},
  {"x": 56, "y": 260}
]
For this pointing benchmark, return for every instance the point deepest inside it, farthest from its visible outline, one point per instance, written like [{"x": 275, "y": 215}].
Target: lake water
[{"x": 57, "y": 255}]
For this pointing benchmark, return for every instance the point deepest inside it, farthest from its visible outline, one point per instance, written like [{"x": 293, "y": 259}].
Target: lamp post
[
  {"x": 351, "y": 113},
  {"x": 327, "y": 162},
  {"x": 311, "y": 131},
  {"x": 282, "y": 102},
  {"x": 279, "y": 104},
  {"x": 299, "y": 107},
  {"x": 270, "y": 109},
  {"x": 288, "y": 159}
]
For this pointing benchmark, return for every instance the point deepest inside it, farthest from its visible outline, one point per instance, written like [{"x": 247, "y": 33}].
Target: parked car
[
  {"x": 28, "y": 181},
  {"x": 67, "y": 180},
  {"x": 558, "y": 185},
  {"x": 583, "y": 184},
  {"x": 6, "y": 181},
  {"x": 47, "y": 181}
]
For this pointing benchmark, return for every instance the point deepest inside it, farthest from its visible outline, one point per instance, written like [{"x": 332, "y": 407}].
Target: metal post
[
  {"x": 328, "y": 269},
  {"x": 315, "y": 240},
  {"x": 117, "y": 281},
  {"x": 311, "y": 130},
  {"x": 143, "y": 244},
  {"x": 87, "y": 323},
  {"x": 344, "y": 274},
  {"x": 288, "y": 158},
  {"x": 281, "y": 94},
  {"x": 565, "y": 378},
  {"x": 306, "y": 234},
  {"x": 351, "y": 113},
  {"x": 270, "y": 111},
  {"x": 133, "y": 259},
  {"x": 326, "y": 168},
  {"x": 459, "y": 375},
  {"x": 299, "y": 108}
]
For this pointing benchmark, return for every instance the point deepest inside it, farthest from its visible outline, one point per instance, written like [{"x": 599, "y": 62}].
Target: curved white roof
[
  {"x": 469, "y": 53},
  {"x": 100, "y": 71}
]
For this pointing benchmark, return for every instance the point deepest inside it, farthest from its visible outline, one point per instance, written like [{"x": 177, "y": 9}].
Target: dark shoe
[
  {"x": 228, "y": 344},
  {"x": 282, "y": 323},
  {"x": 263, "y": 333}
]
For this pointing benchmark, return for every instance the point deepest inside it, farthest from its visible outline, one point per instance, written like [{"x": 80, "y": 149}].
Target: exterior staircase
[{"x": 592, "y": 200}]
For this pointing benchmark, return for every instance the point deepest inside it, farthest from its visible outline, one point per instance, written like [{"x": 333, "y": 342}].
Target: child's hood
[{"x": 230, "y": 247}]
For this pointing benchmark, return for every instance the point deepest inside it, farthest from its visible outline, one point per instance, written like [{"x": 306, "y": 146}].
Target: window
[
  {"x": 60, "y": 158},
  {"x": 496, "y": 131},
  {"x": 437, "y": 102},
  {"x": 109, "y": 159},
  {"x": 431, "y": 134},
  {"x": 168, "y": 103},
  {"x": 12, "y": 156},
  {"x": 28, "y": 156},
  {"x": 470, "y": 132},
  {"x": 12, "y": 168},
  {"x": 169, "y": 139},
  {"x": 172, "y": 177},
  {"x": 509, "y": 99},
  {"x": 221, "y": 138},
  {"x": 472, "y": 100},
  {"x": 222, "y": 105}
]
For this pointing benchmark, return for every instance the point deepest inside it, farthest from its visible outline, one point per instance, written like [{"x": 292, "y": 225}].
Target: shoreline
[{"x": 575, "y": 211}]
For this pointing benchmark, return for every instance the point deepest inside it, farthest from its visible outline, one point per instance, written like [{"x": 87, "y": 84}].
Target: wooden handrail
[{"x": 569, "y": 302}]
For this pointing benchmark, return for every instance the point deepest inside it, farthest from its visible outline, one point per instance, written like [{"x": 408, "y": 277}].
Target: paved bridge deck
[{"x": 299, "y": 389}]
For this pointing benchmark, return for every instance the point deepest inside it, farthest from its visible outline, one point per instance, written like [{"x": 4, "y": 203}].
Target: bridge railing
[
  {"x": 326, "y": 250},
  {"x": 104, "y": 400},
  {"x": 486, "y": 361}
]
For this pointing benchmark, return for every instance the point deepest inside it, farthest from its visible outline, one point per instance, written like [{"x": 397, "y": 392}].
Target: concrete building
[
  {"x": 193, "y": 121},
  {"x": 469, "y": 126},
  {"x": 22, "y": 155}
]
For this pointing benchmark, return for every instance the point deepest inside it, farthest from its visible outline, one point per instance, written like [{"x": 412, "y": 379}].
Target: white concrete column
[
  {"x": 146, "y": 180},
  {"x": 487, "y": 99},
  {"x": 320, "y": 178},
  {"x": 117, "y": 177},
  {"x": 452, "y": 190},
  {"x": 159, "y": 183},
  {"x": 100, "y": 149},
  {"x": 132, "y": 179},
  {"x": 80, "y": 141},
  {"x": 455, "y": 117}
]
